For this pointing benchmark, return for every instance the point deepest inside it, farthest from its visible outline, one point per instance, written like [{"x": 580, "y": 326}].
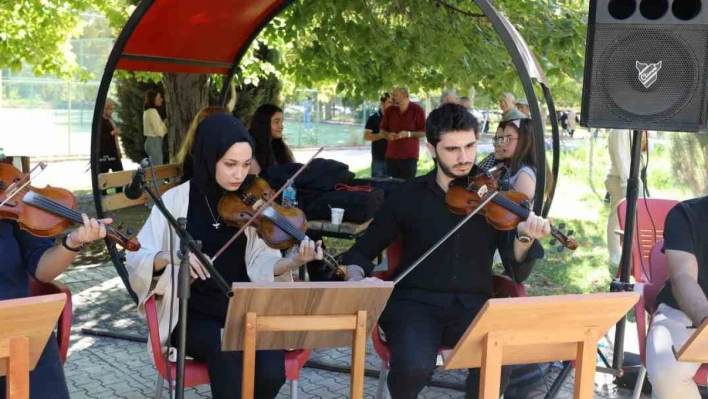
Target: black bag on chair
[
  {"x": 359, "y": 206},
  {"x": 385, "y": 183}
]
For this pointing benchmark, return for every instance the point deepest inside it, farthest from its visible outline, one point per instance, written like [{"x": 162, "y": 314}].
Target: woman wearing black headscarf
[{"x": 223, "y": 153}]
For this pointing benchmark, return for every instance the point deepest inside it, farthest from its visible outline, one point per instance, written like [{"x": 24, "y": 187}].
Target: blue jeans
[
  {"x": 307, "y": 119},
  {"x": 415, "y": 331},
  {"x": 153, "y": 147},
  {"x": 378, "y": 168}
]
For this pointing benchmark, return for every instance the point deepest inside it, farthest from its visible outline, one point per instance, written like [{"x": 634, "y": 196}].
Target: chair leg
[
  {"x": 293, "y": 389},
  {"x": 640, "y": 383},
  {"x": 383, "y": 373},
  {"x": 160, "y": 383}
]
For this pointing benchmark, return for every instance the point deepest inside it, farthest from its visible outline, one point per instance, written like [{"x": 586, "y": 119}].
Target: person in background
[
  {"x": 619, "y": 148},
  {"x": 267, "y": 131},
  {"x": 523, "y": 106},
  {"x": 448, "y": 97},
  {"x": 466, "y": 103},
  {"x": 403, "y": 125},
  {"x": 109, "y": 152},
  {"x": 507, "y": 103},
  {"x": 378, "y": 141},
  {"x": 154, "y": 128},
  {"x": 307, "y": 113},
  {"x": 184, "y": 156}
]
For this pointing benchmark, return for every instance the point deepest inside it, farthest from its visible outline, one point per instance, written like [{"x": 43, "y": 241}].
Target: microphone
[{"x": 134, "y": 189}]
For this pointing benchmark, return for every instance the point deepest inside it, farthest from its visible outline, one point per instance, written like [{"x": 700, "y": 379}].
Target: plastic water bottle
[{"x": 290, "y": 196}]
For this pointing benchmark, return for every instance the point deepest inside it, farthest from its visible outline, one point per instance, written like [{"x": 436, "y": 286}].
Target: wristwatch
[
  {"x": 524, "y": 239},
  {"x": 64, "y": 243}
]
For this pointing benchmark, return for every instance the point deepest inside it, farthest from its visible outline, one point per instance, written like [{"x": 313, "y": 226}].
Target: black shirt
[
  {"x": 378, "y": 147},
  {"x": 686, "y": 229},
  {"x": 461, "y": 267}
]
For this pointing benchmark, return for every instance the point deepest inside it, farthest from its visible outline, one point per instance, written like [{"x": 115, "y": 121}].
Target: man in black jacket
[{"x": 434, "y": 304}]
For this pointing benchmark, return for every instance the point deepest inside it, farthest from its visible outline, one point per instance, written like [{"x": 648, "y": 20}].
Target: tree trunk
[
  {"x": 185, "y": 96},
  {"x": 328, "y": 110}
]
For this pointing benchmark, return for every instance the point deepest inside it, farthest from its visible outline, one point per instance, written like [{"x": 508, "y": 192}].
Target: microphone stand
[{"x": 187, "y": 245}]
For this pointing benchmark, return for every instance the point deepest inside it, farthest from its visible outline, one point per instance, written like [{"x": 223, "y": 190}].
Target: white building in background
[{"x": 47, "y": 117}]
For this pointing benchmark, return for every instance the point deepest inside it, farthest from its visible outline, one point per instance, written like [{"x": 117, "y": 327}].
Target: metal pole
[{"x": 623, "y": 283}]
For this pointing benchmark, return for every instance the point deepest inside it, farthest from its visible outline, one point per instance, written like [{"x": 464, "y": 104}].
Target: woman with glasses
[{"x": 515, "y": 146}]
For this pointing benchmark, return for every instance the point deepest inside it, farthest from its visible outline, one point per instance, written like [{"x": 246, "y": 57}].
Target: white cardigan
[{"x": 154, "y": 238}]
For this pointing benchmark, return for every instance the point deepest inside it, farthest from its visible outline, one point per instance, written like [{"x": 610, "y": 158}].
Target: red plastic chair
[
  {"x": 38, "y": 288},
  {"x": 196, "y": 373},
  {"x": 659, "y": 272},
  {"x": 503, "y": 287},
  {"x": 644, "y": 237}
]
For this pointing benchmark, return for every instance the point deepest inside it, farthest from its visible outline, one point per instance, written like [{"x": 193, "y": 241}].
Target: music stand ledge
[
  {"x": 303, "y": 315},
  {"x": 539, "y": 329},
  {"x": 25, "y": 326},
  {"x": 695, "y": 350}
]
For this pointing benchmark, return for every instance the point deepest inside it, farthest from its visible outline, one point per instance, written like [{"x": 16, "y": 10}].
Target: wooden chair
[
  {"x": 38, "y": 288},
  {"x": 646, "y": 307},
  {"x": 503, "y": 287},
  {"x": 196, "y": 373}
]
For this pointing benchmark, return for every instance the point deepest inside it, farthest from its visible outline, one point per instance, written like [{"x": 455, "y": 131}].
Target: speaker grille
[{"x": 672, "y": 98}]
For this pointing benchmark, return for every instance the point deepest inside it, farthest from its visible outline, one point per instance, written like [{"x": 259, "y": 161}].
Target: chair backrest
[
  {"x": 651, "y": 215},
  {"x": 659, "y": 269},
  {"x": 154, "y": 330}
]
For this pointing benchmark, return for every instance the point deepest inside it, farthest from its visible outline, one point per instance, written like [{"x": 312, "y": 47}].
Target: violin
[
  {"x": 44, "y": 212},
  {"x": 504, "y": 212},
  {"x": 279, "y": 226}
]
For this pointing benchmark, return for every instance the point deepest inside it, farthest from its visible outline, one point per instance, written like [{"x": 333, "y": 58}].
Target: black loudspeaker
[{"x": 645, "y": 65}]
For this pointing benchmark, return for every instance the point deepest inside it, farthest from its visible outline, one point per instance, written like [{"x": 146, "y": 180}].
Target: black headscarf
[{"x": 214, "y": 136}]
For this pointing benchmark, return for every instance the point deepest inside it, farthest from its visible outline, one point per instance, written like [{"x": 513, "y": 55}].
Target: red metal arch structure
[{"x": 211, "y": 36}]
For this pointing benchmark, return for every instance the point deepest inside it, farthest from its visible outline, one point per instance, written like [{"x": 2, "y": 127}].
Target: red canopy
[{"x": 195, "y": 36}]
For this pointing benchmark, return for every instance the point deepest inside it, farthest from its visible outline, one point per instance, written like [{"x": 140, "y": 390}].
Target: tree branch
[{"x": 461, "y": 11}]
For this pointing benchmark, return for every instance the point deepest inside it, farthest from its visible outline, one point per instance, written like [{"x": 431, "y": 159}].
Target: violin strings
[
  {"x": 289, "y": 228},
  {"x": 61, "y": 210}
]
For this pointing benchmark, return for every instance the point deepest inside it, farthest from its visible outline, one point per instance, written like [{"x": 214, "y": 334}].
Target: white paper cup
[{"x": 337, "y": 215}]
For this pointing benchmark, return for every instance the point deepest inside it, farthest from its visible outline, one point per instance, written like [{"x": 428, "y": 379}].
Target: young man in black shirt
[
  {"x": 682, "y": 301},
  {"x": 378, "y": 141},
  {"x": 436, "y": 302}
]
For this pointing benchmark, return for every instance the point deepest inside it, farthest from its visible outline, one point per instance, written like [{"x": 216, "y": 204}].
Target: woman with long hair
[
  {"x": 154, "y": 128},
  {"x": 515, "y": 146},
  {"x": 222, "y": 155},
  {"x": 267, "y": 131}
]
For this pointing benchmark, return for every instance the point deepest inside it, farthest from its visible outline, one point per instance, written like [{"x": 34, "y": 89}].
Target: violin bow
[
  {"x": 263, "y": 207},
  {"x": 16, "y": 191},
  {"x": 448, "y": 235}
]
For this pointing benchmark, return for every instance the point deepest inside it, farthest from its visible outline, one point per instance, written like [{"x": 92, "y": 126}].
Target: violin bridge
[{"x": 258, "y": 204}]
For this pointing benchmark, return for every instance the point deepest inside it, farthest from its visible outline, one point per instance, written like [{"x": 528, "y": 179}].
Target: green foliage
[
  {"x": 689, "y": 157},
  {"x": 38, "y": 32},
  {"x": 129, "y": 113},
  {"x": 368, "y": 45}
]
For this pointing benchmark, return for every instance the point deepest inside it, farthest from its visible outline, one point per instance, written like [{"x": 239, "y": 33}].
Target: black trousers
[
  {"x": 402, "y": 168},
  {"x": 225, "y": 368},
  {"x": 47, "y": 380},
  {"x": 108, "y": 166},
  {"x": 415, "y": 331}
]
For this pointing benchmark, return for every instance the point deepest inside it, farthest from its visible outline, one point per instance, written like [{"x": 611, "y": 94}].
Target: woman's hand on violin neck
[
  {"x": 309, "y": 251},
  {"x": 91, "y": 230},
  {"x": 534, "y": 227}
]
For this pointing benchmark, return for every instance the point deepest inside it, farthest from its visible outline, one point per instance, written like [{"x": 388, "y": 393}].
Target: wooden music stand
[
  {"x": 25, "y": 326},
  {"x": 695, "y": 350},
  {"x": 303, "y": 315},
  {"x": 539, "y": 329}
]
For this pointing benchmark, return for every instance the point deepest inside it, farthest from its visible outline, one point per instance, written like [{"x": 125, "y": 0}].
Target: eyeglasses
[{"x": 503, "y": 140}]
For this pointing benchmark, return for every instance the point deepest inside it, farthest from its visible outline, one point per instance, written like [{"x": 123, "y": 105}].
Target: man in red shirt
[{"x": 403, "y": 125}]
